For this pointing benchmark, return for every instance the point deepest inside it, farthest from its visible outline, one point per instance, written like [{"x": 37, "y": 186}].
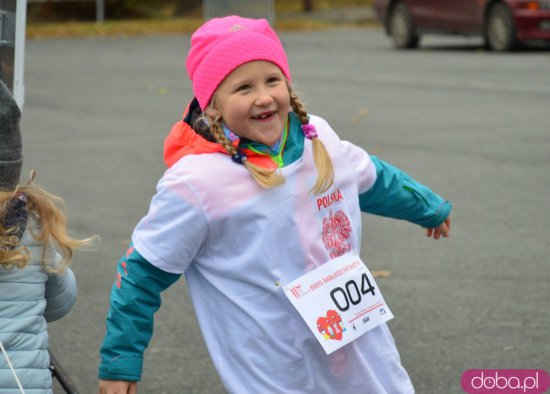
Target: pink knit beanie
[{"x": 221, "y": 45}]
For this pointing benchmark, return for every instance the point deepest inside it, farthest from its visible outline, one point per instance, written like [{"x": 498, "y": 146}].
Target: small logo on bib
[{"x": 330, "y": 326}]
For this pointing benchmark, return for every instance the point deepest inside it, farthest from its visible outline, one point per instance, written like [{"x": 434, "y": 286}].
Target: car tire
[
  {"x": 401, "y": 27},
  {"x": 500, "y": 30}
]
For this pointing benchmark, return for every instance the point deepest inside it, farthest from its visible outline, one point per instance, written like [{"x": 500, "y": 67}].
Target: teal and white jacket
[{"x": 238, "y": 245}]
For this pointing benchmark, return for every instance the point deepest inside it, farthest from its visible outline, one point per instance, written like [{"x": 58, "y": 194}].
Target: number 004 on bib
[{"x": 339, "y": 301}]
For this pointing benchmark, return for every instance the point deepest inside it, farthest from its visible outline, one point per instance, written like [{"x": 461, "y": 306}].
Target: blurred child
[
  {"x": 260, "y": 194},
  {"x": 36, "y": 284}
]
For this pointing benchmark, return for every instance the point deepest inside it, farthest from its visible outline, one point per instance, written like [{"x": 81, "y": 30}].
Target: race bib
[{"x": 339, "y": 301}]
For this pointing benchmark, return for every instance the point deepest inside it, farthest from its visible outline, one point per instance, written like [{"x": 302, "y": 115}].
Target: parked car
[{"x": 504, "y": 24}]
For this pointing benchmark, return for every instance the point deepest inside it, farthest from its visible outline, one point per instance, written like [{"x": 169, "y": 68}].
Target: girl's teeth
[{"x": 263, "y": 116}]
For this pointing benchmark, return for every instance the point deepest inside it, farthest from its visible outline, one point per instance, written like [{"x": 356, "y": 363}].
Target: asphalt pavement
[{"x": 472, "y": 125}]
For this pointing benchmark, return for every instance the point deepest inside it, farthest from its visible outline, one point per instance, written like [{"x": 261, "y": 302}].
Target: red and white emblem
[{"x": 336, "y": 232}]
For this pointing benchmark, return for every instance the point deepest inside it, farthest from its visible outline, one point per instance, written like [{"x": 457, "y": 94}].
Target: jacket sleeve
[
  {"x": 60, "y": 295},
  {"x": 135, "y": 297},
  {"x": 395, "y": 194}
]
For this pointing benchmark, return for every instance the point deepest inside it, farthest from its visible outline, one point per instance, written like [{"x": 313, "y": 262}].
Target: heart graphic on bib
[{"x": 330, "y": 326}]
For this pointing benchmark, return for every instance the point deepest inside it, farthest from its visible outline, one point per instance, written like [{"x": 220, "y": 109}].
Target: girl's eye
[
  {"x": 242, "y": 88},
  {"x": 273, "y": 80}
]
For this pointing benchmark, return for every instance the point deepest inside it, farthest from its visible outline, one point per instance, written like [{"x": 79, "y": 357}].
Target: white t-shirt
[{"x": 239, "y": 244}]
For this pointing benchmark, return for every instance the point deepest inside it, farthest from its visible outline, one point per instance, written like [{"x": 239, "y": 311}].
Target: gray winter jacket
[{"x": 29, "y": 298}]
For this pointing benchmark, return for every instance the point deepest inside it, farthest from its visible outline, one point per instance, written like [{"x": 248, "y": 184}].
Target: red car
[{"x": 503, "y": 23}]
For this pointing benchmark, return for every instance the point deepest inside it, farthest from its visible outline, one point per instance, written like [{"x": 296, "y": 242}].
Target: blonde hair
[
  {"x": 323, "y": 162},
  {"x": 270, "y": 178},
  {"x": 48, "y": 209},
  {"x": 264, "y": 177}
]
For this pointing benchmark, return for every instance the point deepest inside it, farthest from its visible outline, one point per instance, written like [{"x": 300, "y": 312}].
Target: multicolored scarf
[{"x": 275, "y": 152}]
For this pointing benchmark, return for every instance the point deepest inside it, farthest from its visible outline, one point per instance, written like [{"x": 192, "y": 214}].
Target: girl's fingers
[{"x": 442, "y": 231}]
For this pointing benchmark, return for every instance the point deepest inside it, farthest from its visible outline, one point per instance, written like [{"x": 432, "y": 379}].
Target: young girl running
[
  {"x": 260, "y": 209},
  {"x": 36, "y": 285}
]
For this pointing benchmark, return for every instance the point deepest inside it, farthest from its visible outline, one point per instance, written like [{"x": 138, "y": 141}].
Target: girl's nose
[{"x": 263, "y": 99}]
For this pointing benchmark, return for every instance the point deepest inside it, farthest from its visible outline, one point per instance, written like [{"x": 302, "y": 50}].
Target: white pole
[
  {"x": 100, "y": 11},
  {"x": 19, "y": 61}
]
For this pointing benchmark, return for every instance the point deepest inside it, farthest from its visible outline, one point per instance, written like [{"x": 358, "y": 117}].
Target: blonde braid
[
  {"x": 216, "y": 129},
  {"x": 266, "y": 178},
  {"x": 322, "y": 159}
]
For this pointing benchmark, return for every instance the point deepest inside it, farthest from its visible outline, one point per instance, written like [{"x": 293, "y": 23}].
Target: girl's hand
[
  {"x": 442, "y": 230},
  {"x": 117, "y": 387}
]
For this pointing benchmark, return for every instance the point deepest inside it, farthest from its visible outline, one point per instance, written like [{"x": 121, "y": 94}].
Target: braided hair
[
  {"x": 325, "y": 177},
  {"x": 211, "y": 119},
  {"x": 265, "y": 177}
]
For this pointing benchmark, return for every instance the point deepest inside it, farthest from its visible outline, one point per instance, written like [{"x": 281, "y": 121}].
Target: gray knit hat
[{"x": 11, "y": 158}]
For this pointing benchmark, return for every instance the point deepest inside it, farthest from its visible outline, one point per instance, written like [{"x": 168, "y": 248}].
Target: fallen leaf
[
  {"x": 381, "y": 274},
  {"x": 361, "y": 114}
]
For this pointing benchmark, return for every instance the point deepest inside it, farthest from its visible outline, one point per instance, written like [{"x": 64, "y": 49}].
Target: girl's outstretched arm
[
  {"x": 135, "y": 297},
  {"x": 395, "y": 194},
  {"x": 117, "y": 387}
]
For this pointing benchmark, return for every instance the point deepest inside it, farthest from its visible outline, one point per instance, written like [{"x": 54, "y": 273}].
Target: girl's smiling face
[{"x": 254, "y": 101}]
